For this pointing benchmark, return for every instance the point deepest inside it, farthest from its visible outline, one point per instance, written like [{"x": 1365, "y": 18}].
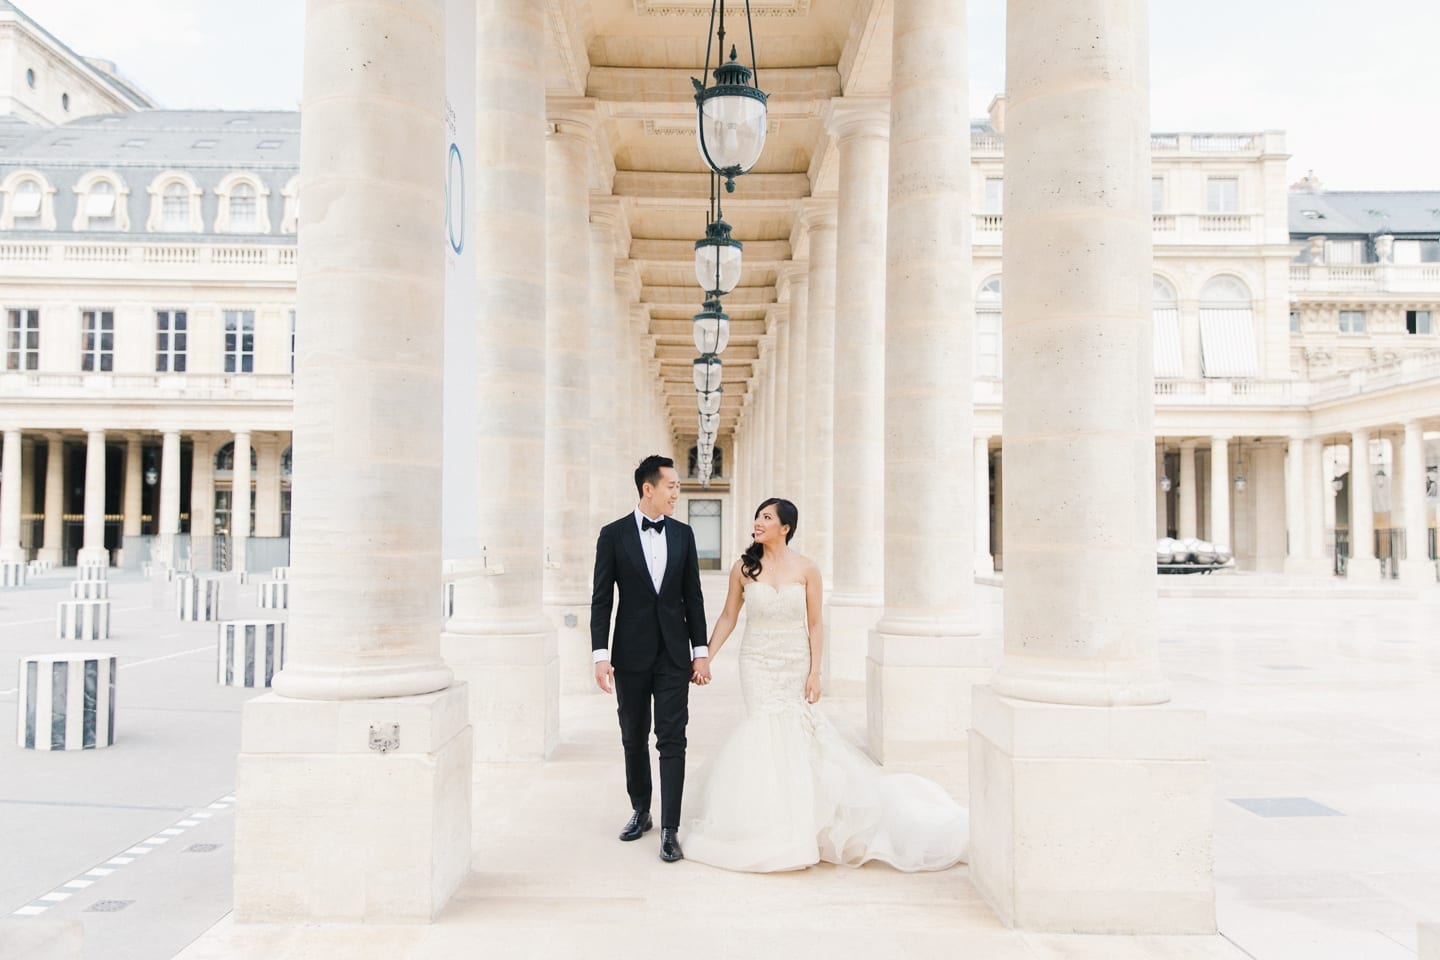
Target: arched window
[
  {"x": 1168, "y": 358},
  {"x": 242, "y": 208},
  {"x": 988, "y": 328},
  {"x": 290, "y": 218},
  {"x": 1228, "y": 347},
  {"x": 28, "y": 202},
  {"x": 225, "y": 459},
  {"x": 717, "y": 462},
  {"x": 175, "y": 206}
]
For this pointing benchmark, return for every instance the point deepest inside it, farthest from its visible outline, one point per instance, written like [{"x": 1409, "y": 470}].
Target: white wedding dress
[{"x": 787, "y": 790}]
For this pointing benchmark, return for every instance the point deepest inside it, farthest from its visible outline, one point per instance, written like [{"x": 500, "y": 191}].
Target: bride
[{"x": 787, "y": 790}]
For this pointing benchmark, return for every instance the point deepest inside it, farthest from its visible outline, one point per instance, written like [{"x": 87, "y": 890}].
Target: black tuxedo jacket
[{"x": 647, "y": 622}]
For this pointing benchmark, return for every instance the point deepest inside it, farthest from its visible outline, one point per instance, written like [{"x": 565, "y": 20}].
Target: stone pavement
[{"x": 1324, "y": 718}]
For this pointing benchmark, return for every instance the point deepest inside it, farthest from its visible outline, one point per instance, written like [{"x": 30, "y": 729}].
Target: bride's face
[{"x": 768, "y": 528}]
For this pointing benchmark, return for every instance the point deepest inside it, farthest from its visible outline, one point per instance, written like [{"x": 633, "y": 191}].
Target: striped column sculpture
[
  {"x": 279, "y": 573},
  {"x": 92, "y": 571},
  {"x": 447, "y": 599},
  {"x": 82, "y": 620},
  {"x": 66, "y": 702},
  {"x": 12, "y": 573},
  {"x": 90, "y": 590},
  {"x": 38, "y": 567},
  {"x": 197, "y": 598},
  {"x": 275, "y": 594},
  {"x": 249, "y": 652}
]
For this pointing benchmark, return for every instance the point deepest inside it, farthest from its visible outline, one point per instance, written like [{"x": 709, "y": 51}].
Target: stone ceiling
[{"x": 630, "y": 61}]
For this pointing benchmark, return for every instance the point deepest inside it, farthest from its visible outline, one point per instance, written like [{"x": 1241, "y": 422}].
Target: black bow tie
[{"x": 647, "y": 524}]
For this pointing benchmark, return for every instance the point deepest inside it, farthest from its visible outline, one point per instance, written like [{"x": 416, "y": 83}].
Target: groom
[{"x": 659, "y": 642}]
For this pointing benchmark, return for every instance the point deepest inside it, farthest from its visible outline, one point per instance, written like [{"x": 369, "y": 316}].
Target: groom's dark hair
[{"x": 649, "y": 472}]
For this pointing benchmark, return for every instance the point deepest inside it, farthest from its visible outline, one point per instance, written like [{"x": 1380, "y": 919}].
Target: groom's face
[{"x": 661, "y": 497}]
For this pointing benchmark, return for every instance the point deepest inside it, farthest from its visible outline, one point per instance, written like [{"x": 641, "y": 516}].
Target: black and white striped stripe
[
  {"x": 82, "y": 619},
  {"x": 275, "y": 594},
  {"x": 197, "y": 598},
  {"x": 92, "y": 571},
  {"x": 90, "y": 590},
  {"x": 13, "y": 572},
  {"x": 249, "y": 652},
  {"x": 67, "y": 701}
]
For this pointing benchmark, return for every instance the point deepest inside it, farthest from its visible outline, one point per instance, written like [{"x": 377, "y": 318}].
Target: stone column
[
  {"x": 601, "y": 322},
  {"x": 1162, "y": 512},
  {"x": 1220, "y": 490},
  {"x": 622, "y": 486},
  {"x": 10, "y": 474},
  {"x": 569, "y": 531},
  {"x": 169, "y": 497},
  {"x": 93, "y": 549},
  {"x": 361, "y": 755},
  {"x": 54, "y": 549},
  {"x": 1417, "y": 567},
  {"x": 924, "y": 655},
  {"x": 498, "y": 639},
  {"x": 780, "y": 424},
  {"x": 1319, "y": 497},
  {"x": 1362, "y": 564},
  {"x": 1090, "y": 802},
  {"x": 765, "y": 387},
  {"x": 862, "y": 130},
  {"x": 796, "y": 376},
  {"x": 1186, "y": 524},
  {"x": 1298, "y": 533},
  {"x": 134, "y": 488},
  {"x": 240, "y": 501},
  {"x": 267, "y": 486},
  {"x": 202, "y": 502},
  {"x": 984, "y": 562},
  {"x": 819, "y": 218}
]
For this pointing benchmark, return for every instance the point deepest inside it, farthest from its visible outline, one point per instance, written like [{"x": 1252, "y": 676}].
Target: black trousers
[{"x": 668, "y": 686}]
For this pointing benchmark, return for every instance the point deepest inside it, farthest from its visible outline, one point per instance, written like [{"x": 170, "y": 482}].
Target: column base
[
  {"x": 1092, "y": 819},
  {"x": 1363, "y": 570},
  {"x": 848, "y": 621},
  {"x": 571, "y": 624},
  {"x": 917, "y": 690},
  {"x": 51, "y": 555},
  {"x": 1310, "y": 566},
  {"x": 96, "y": 557},
  {"x": 1420, "y": 573},
  {"x": 339, "y": 819},
  {"x": 514, "y": 683}
]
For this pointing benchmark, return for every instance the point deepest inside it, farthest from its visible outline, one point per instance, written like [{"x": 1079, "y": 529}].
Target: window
[
  {"x": 1228, "y": 343},
  {"x": 30, "y": 78},
  {"x": 1166, "y": 344},
  {"x": 1344, "y": 251},
  {"x": 97, "y": 350},
  {"x": 22, "y": 340},
  {"x": 171, "y": 336},
  {"x": 100, "y": 205},
  {"x": 175, "y": 207},
  {"x": 1222, "y": 195},
  {"x": 704, "y": 520},
  {"x": 1417, "y": 251},
  {"x": 988, "y": 323},
  {"x": 25, "y": 200},
  {"x": 1418, "y": 322},
  {"x": 1294, "y": 321},
  {"x": 242, "y": 207},
  {"x": 239, "y": 341},
  {"x": 994, "y": 195},
  {"x": 65, "y": 102},
  {"x": 717, "y": 462},
  {"x": 1352, "y": 321},
  {"x": 1157, "y": 194}
]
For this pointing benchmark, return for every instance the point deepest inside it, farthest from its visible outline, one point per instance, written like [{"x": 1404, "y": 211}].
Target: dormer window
[
  {"x": 100, "y": 205},
  {"x": 29, "y": 203},
  {"x": 175, "y": 207},
  {"x": 174, "y": 204},
  {"x": 100, "y": 202},
  {"x": 25, "y": 201},
  {"x": 243, "y": 207}
]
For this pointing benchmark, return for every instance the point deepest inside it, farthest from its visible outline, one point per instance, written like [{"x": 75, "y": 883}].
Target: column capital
[
  {"x": 571, "y": 117},
  {"x": 847, "y": 118},
  {"x": 819, "y": 213},
  {"x": 789, "y": 275},
  {"x": 1189, "y": 443},
  {"x": 627, "y": 279}
]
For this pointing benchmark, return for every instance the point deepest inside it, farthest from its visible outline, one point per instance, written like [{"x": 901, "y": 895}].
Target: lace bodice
[
  {"x": 775, "y": 653},
  {"x": 770, "y": 608}
]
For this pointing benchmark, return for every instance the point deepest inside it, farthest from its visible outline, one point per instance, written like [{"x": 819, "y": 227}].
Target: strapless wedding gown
[{"x": 787, "y": 790}]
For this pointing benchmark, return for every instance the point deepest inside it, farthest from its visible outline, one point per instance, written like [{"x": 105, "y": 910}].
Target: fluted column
[
  {"x": 1187, "y": 523},
  {"x": 240, "y": 495},
  {"x": 1417, "y": 566},
  {"x": 819, "y": 218},
  {"x": 861, "y": 129},
  {"x": 797, "y": 369},
  {"x": 1220, "y": 491},
  {"x": 984, "y": 561},
  {"x": 134, "y": 488},
  {"x": 499, "y": 640},
  {"x": 54, "y": 549},
  {"x": 1362, "y": 565},
  {"x": 169, "y": 497},
  {"x": 363, "y": 723},
  {"x": 10, "y": 474},
  {"x": 601, "y": 346},
  {"x": 1077, "y": 706},
  {"x": 923, "y": 654},
  {"x": 93, "y": 548}
]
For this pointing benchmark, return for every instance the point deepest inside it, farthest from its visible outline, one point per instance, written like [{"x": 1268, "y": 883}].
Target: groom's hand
[
  {"x": 605, "y": 676},
  {"x": 700, "y": 668}
]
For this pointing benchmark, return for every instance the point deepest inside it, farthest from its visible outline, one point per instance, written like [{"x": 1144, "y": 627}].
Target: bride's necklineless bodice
[{"x": 775, "y": 607}]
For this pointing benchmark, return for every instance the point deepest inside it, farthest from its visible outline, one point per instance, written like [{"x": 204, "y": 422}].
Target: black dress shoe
[
  {"x": 670, "y": 845},
  {"x": 636, "y": 826}
]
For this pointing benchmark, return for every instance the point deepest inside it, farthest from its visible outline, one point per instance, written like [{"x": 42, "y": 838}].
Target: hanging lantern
[
  {"x": 710, "y": 401},
  {"x": 1165, "y": 484},
  {"x": 712, "y": 329},
  {"x": 717, "y": 259},
  {"x": 709, "y": 422},
  {"x": 730, "y": 113},
  {"x": 707, "y": 373}
]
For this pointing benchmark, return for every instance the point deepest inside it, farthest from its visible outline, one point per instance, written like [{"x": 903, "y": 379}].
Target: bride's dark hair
[{"x": 788, "y": 516}]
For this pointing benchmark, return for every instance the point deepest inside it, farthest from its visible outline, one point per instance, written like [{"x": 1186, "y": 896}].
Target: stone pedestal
[
  {"x": 918, "y": 689},
  {"x": 305, "y": 851},
  {"x": 514, "y": 689},
  {"x": 13, "y": 573},
  {"x": 572, "y": 642},
  {"x": 279, "y": 573},
  {"x": 249, "y": 652},
  {"x": 90, "y": 590},
  {"x": 274, "y": 594},
  {"x": 1091, "y": 819},
  {"x": 83, "y": 620},
  {"x": 66, "y": 701},
  {"x": 92, "y": 571},
  {"x": 197, "y": 598}
]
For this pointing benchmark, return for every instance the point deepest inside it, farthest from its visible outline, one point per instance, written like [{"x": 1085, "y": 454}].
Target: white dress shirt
[{"x": 657, "y": 553}]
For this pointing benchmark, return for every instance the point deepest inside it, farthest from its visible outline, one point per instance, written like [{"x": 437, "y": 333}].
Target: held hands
[
  {"x": 812, "y": 688},
  {"x": 700, "y": 674},
  {"x": 605, "y": 676}
]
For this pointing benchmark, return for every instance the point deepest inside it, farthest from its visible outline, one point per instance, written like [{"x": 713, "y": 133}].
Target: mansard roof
[
  {"x": 161, "y": 139},
  {"x": 1365, "y": 212}
]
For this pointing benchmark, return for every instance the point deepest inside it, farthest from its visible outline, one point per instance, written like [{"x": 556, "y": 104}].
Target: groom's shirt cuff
[
  {"x": 601, "y": 656},
  {"x": 697, "y": 653}
]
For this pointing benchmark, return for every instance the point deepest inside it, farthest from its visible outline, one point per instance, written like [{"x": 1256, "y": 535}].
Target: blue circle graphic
[{"x": 455, "y": 199}]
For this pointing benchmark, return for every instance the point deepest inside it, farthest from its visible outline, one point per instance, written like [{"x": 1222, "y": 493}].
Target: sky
[{"x": 1354, "y": 86}]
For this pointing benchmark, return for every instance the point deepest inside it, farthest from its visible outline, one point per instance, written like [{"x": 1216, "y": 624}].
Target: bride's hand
[{"x": 812, "y": 688}]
